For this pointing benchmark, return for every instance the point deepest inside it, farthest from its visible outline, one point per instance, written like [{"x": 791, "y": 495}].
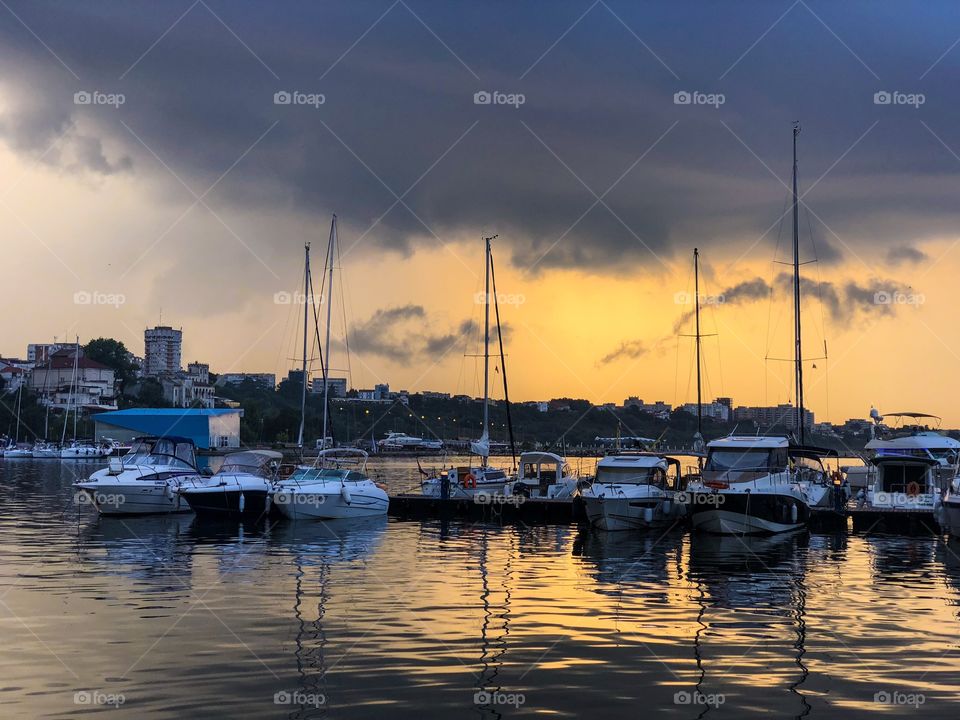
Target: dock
[{"x": 894, "y": 520}]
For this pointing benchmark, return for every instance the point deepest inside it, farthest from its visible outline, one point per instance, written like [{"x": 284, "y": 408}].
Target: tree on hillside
[{"x": 115, "y": 355}]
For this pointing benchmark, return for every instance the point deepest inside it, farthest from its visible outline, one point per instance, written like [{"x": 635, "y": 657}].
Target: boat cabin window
[
  {"x": 629, "y": 475},
  {"x": 746, "y": 459},
  {"x": 161, "y": 452},
  {"x": 901, "y": 478},
  {"x": 545, "y": 473}
]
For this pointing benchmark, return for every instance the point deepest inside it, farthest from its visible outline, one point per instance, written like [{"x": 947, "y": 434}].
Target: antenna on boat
[
  {"x": 796, "y": 290},
  {"x": 326, "y": 383}
]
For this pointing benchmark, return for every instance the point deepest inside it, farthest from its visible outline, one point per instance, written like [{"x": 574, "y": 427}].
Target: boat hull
[
  {"x": 950, "y": 513},
  {"x": 612, "y": 510},
  {"x": 307, "y": 504},
  {"x": 145, "y": 498},
  {"x": 256, "y": 503},
  {"x": 754, "y": 513}
]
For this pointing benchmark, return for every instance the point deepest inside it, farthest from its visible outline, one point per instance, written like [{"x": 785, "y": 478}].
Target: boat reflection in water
[
  {"x": 317, "y": 549},
  {"x": 752, "y": 598}
]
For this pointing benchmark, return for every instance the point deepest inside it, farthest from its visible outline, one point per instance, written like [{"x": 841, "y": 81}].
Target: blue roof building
[{"x": 208, "y": 428}]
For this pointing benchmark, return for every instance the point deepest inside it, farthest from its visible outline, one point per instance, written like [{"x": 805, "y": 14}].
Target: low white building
[{"x": 59, "y": 384}]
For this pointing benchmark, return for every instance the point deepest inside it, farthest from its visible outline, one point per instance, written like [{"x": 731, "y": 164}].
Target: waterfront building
[
  {"x": 337, "y": 386},
  {"x": 208, "y": 428},
  {"x": 54, "y": 383},
  {"x": 41, "y": 352},
  {"x": 783, "y": 415},
  {"x": 266, "y": 380},
  {"x": 162, "y": 346}
]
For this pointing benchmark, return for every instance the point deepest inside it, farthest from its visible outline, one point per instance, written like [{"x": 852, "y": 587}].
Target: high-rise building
[{"x": 162, "y": 350}]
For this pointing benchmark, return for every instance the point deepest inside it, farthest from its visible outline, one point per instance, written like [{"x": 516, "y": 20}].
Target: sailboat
[
  {"x": 467, "y": 481},
  {"x": 78, "y": 450},
  {"x": 15, "y": 450},
  {"x": 763, "y": 485},
  {"x": 335, "y": 485}
]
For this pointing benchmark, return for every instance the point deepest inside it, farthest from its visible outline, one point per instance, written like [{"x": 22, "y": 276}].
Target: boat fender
[
  {"x": 793, "y": 513},
  {"x": 345, "y": 494},
  {"x": 648, "y": 515},
  {"x": 266, "y": 503},
  {"x": 667, "y": 507},
  {"x": 242, "y": 502},
  {"x": 168, "y": 491}
]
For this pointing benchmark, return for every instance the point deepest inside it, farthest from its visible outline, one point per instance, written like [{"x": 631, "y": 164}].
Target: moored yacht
[
  {"x": 18, "y": 451},
  {"x": 81, "y": 450},
  {"x": 632, "y": 491},
  {"x": 949, "y": 515},
  {"x": 903, "y": 482},
  {"x": 45, "y": 449},
  {"x": 144, "y": 481},
  {"x": 543, "y": 475},
  {"x": 242, "y": 486},
  {"x": 335, "y": 487},
  {"x": 746, "y": 488}
]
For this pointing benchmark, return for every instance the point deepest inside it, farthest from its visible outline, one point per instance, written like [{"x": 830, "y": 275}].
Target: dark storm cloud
[
  {"x": 407, "y": 332},
  {"x": 905, "y": 254},
  {"x": 598, "y": 169}
]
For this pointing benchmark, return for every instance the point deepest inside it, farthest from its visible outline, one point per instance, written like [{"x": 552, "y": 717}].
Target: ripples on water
[{"x": 438, "y": 620}]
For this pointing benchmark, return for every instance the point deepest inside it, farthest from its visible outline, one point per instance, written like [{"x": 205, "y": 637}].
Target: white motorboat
[
  {"x": 46, "y": 449},
  {"x": 633, "y": 491},
  {"x": 901, "y": 482},
  {"x": 949, "y": 514},
  {"x": 242, "y": 486},
  {"x": 747, "y": 488},
  {"x": 144, "y": 481},
  {"x": 80, "y": 450},
  {"x": 397, "y": 441},
  {"x": 544, "y": 475},
  {"x": 335, "y": 487}
]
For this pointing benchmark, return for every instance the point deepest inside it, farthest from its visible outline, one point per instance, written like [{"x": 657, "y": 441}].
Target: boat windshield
[
  {"x": 161, "y": 452},
  {"x": 744, "y": 460},
  {"x": 248, "y": 462},
  {"x": 628, "y": 475},
  {"x": 304, "y": 474}
]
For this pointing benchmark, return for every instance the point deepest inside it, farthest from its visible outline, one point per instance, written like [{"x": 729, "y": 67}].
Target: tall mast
[
  {"x": 76, "y": 408},
  {"x": 796, "y": 289},
  {"x": 696, "y": 299},
  {"x": 486, "y": 343},
  {"x": 326, "y": 350},
  {"x": 303, "y": 367}
]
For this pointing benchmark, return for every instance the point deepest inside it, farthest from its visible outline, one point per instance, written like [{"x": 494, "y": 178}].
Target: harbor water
[{"x": 168, "y": 617}]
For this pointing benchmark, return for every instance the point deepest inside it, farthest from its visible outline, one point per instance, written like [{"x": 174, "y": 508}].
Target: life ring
[
  {"x": 913, "y": 489},
  {"x": 470, "y": 481}
]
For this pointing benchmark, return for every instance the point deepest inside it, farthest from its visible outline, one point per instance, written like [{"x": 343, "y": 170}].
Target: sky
[{"x": 150, "y": 168}]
